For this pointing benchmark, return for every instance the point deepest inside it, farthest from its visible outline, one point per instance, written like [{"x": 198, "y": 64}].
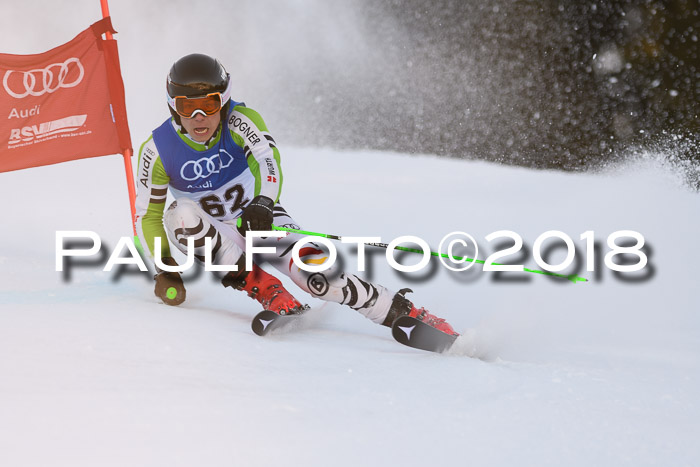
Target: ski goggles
[{"x": 207, "y": 105}]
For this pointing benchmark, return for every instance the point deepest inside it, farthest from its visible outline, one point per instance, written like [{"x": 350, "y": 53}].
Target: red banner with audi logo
[{"x": 64, "y": 104}]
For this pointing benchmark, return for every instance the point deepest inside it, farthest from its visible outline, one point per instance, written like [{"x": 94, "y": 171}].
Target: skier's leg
[
  {"x": 374, "y": 301},
  {"x": 184, "y": 219}
]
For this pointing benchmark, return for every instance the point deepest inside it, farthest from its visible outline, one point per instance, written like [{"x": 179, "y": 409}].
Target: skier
[{"x": 220, "y": 163}]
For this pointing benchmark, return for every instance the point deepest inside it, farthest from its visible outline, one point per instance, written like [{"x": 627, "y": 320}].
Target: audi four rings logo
[
  {"x": 39, "y": 82},
  {"x": 206, "y": 166}
]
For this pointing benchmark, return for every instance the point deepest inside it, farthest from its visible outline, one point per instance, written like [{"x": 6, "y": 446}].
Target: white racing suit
[{"x": 184, "y": 218}]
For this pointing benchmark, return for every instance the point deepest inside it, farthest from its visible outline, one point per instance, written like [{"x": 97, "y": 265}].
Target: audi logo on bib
[
  {"x": 38, "y": 82},
  {"x": 206, "y": 166}
]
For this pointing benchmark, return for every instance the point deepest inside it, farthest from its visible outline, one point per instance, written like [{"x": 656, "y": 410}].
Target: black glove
[
  {"x": 257, "y": 215},
  {"x": 169, "y": 286}
]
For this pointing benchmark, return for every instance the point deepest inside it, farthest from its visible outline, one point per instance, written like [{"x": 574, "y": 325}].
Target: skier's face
[{"x": 201, "y": 127}]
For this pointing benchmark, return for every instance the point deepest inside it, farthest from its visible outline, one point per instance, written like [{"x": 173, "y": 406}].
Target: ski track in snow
[{"x": 95, "y": 371}]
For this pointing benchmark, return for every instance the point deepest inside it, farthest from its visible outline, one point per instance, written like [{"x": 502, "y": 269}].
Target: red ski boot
[
  {"x": 266, "y": 289},
  {"x": 402, "y": 306}
]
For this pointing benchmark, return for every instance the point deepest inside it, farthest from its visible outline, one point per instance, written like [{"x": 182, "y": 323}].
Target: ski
[
  {"x": 267, "y": 321},
  {"x": 417, "y": 334}
]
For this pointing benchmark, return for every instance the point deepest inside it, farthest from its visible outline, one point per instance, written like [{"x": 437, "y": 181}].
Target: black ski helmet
[{"x": 197, "y": 75}]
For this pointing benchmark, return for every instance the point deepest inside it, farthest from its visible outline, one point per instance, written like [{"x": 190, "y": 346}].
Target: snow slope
[{"x": 95, "y": 371}]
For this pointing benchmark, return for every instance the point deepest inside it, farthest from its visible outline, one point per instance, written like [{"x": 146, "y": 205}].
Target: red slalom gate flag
[{"x": 64, "y": 104}]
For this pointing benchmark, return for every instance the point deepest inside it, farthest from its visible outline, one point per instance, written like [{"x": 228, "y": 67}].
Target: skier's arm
[
  {"x": 250, "y": 132},
  {"x": 152, "y": 190}
]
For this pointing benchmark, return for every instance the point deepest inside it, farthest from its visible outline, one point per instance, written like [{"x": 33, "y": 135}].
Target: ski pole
[{"x": 572, "y": 277}]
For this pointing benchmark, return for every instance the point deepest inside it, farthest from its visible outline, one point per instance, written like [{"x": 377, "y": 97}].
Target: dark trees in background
[{"x": 552, "y": 84}]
